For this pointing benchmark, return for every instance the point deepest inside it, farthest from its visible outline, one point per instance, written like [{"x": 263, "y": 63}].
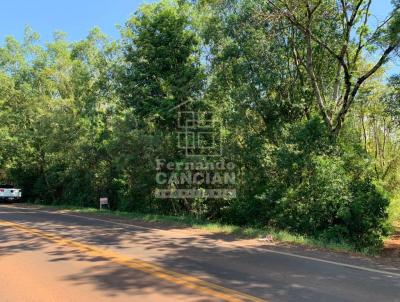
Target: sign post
[{"x": 104, "y": 202}]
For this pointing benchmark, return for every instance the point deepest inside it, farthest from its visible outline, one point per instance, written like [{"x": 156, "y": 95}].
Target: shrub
[{"x": 320, "y": 191}]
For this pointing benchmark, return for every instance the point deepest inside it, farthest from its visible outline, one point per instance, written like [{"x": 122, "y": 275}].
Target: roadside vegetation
[
  {"x": 298, "y": 90},
  {"x": 266, "y": 234}
]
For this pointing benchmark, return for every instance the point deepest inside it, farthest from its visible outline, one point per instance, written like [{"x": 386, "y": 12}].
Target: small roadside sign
[{"x": 104, "y": 202}]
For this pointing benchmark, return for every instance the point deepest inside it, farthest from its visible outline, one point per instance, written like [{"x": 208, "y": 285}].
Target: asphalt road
[{"x": 53, "y": 256}]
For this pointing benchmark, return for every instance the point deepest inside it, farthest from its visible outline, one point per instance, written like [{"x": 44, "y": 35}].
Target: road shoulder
[{"x": 385, "y": 263}]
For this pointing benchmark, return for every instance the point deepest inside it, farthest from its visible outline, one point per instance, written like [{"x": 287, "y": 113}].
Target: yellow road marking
[{"x": 191, "y": 282}]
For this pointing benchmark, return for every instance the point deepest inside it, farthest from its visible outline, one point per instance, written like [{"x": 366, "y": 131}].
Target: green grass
[
  {"x": 394, "y": 211},
  {"x": 218, "y": 228}
]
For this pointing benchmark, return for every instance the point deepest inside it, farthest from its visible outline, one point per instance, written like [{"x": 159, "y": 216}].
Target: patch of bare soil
[{"x": 392, "y": 245}]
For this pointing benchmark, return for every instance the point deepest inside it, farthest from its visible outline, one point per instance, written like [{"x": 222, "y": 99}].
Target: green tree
[
  {"x": 341, "y": 29},
  {"x": 162, "y": 67}
]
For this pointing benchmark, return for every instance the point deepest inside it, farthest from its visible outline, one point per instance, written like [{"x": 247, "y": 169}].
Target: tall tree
[
  {"x": 162, "y": 61},
  {"x": 341, "y": 29}
]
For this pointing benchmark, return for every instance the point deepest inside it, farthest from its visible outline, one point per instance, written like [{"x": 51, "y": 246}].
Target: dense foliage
[{"x": 307, "y": 118}]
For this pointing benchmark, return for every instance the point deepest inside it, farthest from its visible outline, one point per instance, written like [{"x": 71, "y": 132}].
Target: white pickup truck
[{"x": 8, "y": 193}]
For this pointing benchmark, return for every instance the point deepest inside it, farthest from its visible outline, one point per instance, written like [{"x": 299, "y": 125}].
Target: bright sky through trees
[
  {"x": 74, "y": 17},
  {"x": 77, "y": 17}
]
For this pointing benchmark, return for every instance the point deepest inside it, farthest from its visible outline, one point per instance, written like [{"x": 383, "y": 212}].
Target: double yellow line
[{"x": 157, "y": 271}]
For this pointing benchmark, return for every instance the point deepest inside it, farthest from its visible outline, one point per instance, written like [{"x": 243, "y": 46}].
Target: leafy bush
[{"x": 318, "y": 190}]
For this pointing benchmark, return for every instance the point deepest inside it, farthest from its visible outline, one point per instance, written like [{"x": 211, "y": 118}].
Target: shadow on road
[{"x": 273, "y": 277}]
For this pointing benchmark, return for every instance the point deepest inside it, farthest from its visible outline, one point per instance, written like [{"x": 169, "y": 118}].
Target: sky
[
  {"x": 74, "y": 17},
  {"x": 380, "y": 9},
  {"x": 77, "y": 17}
]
